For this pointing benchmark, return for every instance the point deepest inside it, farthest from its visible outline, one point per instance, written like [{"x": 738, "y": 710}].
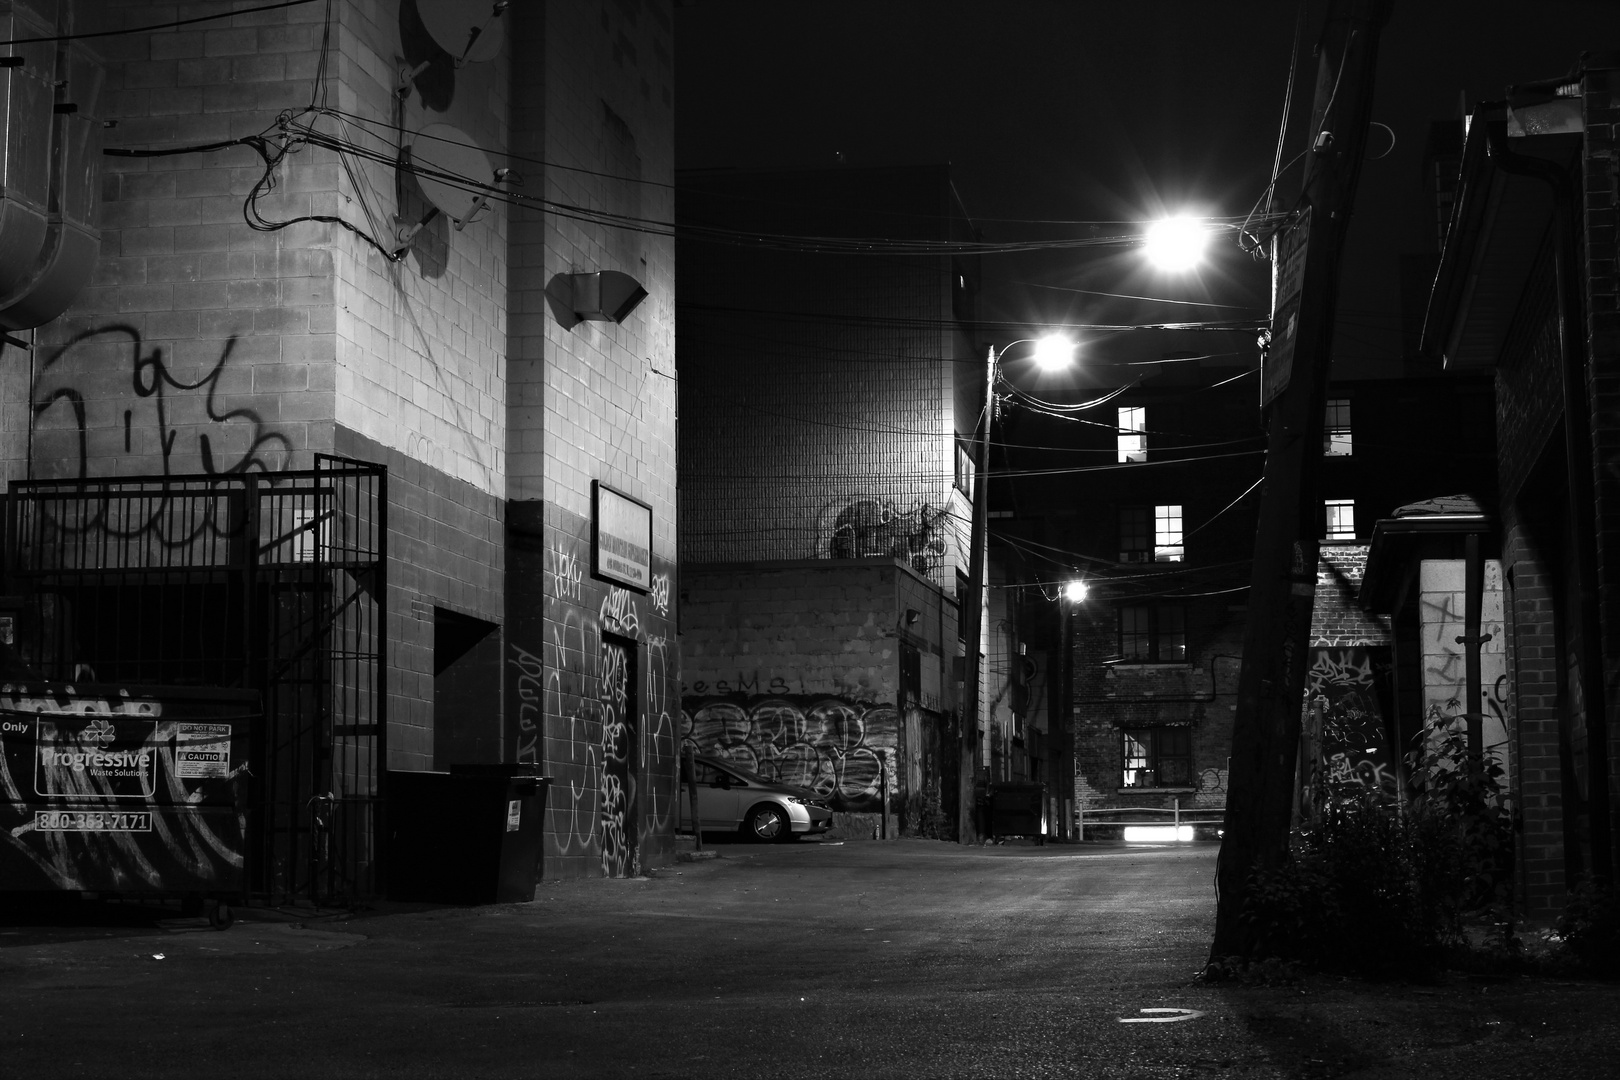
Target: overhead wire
[{"x": 171, "y": 25}]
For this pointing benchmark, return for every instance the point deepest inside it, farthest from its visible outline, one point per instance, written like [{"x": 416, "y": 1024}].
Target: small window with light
[
  {"x": 1151, "y": 534},
  {"x": 1157, "y": 757},
  {"x": 1133, "y": 433},
  {"x": 1341, "y": 519},
  {"x": 1336, "y": 428}
]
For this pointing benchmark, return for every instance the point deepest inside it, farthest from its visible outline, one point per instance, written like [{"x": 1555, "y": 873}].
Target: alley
[{"x": 904, "y": 959}]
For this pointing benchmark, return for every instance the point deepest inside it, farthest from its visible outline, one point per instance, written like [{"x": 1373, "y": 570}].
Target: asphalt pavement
[{"x": 904, "y": 958}]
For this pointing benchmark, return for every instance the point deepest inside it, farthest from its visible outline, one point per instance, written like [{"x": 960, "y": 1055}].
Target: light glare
[
  {"x": 1075, "y": 591},
  {"x": 1176, "y": 243},
  {"x": 1157, "y": 833},
  {"x": 1054, "y": 352}
]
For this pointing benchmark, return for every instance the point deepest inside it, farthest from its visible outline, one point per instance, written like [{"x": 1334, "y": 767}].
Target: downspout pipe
[{"x": 1582, "y": 491}]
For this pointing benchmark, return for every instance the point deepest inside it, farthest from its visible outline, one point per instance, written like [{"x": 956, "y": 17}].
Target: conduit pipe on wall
[
  {"x": 66, "y": 258},
  {"x": 26, "y": 102}
]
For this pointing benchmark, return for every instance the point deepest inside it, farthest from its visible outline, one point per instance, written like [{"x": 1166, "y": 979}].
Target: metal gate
[{"x": 274, "y": 582}]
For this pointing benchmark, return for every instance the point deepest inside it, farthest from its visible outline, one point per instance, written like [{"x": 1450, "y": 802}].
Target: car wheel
[{"x": 767, "y": 822}]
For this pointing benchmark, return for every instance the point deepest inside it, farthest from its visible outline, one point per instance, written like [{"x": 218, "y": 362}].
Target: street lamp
[
  {"x": 1176, "y": 243},
  {"x": 1052, "y": 352}
]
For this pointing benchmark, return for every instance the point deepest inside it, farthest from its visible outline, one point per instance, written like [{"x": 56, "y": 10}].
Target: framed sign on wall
[{"x": 621, "y": 538}]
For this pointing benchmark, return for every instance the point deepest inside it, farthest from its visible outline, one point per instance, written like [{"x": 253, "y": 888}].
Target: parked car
[{"x": 730, "y": 797}]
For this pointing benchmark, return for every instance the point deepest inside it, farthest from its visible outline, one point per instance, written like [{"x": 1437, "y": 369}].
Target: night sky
[{"x": 1054, "y": 113}]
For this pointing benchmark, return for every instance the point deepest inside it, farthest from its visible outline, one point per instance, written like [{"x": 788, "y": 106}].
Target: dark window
[
  {"x": 961, "y": 605},
  {"x": 1153, "y": 633},
  {"x": 964, "y": 468},
  {"x": 1157, "y": 757}
]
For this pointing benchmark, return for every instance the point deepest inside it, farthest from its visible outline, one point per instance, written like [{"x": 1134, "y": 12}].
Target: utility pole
[
  {"x": 1271, "y": 685},
  {"x": 972, "y": 610}
]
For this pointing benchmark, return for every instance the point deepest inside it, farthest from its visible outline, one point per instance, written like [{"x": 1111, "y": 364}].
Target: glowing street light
[
  {"x": 1176, "y": 243},
  {"x": 1054, "y": 352},
  {"x": 1075, "y": 592}
]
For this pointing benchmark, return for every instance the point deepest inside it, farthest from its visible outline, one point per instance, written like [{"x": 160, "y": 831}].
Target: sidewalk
[{"x": 884, "y": 959}]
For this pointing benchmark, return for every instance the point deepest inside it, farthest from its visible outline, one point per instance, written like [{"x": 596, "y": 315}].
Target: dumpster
[
  {"x": 129, "y": 790},
  {"x": 472, "y": 835},
  {"x": 1018, "y": 809}
]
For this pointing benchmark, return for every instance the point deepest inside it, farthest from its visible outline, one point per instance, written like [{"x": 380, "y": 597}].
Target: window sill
[{"x": 1158, "y": 791}]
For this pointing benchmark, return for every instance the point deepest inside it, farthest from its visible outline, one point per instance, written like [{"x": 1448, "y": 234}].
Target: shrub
[
  {"x": 1376, "y": 886},
  {"x": 1590, "y": 926}
]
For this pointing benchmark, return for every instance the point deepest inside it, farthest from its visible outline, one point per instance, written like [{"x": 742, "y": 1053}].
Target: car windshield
[{"x": 751, "y": 777}]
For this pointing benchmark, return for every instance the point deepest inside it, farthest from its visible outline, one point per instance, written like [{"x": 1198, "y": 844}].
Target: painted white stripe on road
[{"x": 1180, "y": 1014}]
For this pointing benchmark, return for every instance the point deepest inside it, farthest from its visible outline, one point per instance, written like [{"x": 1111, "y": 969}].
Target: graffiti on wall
[
  {"x": 1445, "y": 661},
  {"x": 581, "y": 711},
  {"x": 1347, "y": 687},
  {"x": 836, "y": 748},
  {"x": 66, "y": 410},
  {"x": 619, "y": 845},
  {"x": 872, "y": 528}
]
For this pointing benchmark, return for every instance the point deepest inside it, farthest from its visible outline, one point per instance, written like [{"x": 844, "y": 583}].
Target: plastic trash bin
[
  {"x": 1018, "y": 809},
  {"x": 472, "y": 835}
]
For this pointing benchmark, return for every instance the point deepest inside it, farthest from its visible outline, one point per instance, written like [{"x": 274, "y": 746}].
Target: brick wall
[
  {"x": 1600, "y": 197},
  {"x": 593, "y": 401},
  {"x": 1200, "y": 694},
  {"x": 1337, "y": 617}
]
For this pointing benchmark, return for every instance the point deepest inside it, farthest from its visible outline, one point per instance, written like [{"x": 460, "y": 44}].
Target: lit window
[
  {"x": 1132, "y": 433},
  {"x": 1336, "y": 428},
  {"x": 1341, "y": 519},
  {"x": 1167, "y": 546},
  {"x": 1150, "y": 534},
  {"x": 1152, "y": 634},
  {"x": 1157, "y": 757}
]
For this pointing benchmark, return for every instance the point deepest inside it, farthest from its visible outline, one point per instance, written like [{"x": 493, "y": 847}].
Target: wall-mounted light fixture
[
  {"x": 912, "y": 615},
  {"x": 605, "y": 296}
]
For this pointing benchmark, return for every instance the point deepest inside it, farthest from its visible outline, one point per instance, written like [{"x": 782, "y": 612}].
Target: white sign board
[{"x": 621, "y": 538}]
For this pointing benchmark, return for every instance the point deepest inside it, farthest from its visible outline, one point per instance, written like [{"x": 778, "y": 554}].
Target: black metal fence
[{"x": 274, "y": 582}]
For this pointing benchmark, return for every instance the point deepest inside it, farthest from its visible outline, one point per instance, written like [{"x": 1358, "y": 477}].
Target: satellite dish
[
  {"x": 471, "y": 31},
  {"x": 446, "y": 149}
]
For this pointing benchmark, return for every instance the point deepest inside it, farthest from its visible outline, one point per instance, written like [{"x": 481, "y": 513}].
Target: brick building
[
  {"x": 387, "y": 305},
  {"x": 1527, "y": 292},
  {"x": 1154, "y": 506},
  {"x": 825, "y": 390}
]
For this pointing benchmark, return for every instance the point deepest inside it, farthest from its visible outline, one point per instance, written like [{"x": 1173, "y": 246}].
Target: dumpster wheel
[{"x": 220, "y": 915}]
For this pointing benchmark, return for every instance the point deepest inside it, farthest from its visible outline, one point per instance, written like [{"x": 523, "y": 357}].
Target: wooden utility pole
[
  {"x": 972, "y": 609},
  {"x": 1271, "y": 685}
]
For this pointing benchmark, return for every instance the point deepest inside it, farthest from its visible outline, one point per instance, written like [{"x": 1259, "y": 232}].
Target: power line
[{"x": 157, "y": 26}]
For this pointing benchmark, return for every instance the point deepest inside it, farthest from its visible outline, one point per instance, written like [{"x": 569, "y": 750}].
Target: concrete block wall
[
  {"x": 201, "y": 344},
  {"x": 421, "y": 341},
  {"x": 1442, "y": 619},
  {"x": 592, "y": 107},
  {"x": 829, "y": 436},
  {"x": 792, "y": 668}
]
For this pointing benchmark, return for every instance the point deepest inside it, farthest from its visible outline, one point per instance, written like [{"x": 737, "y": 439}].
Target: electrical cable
[{"x": 157, "y": 26}]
